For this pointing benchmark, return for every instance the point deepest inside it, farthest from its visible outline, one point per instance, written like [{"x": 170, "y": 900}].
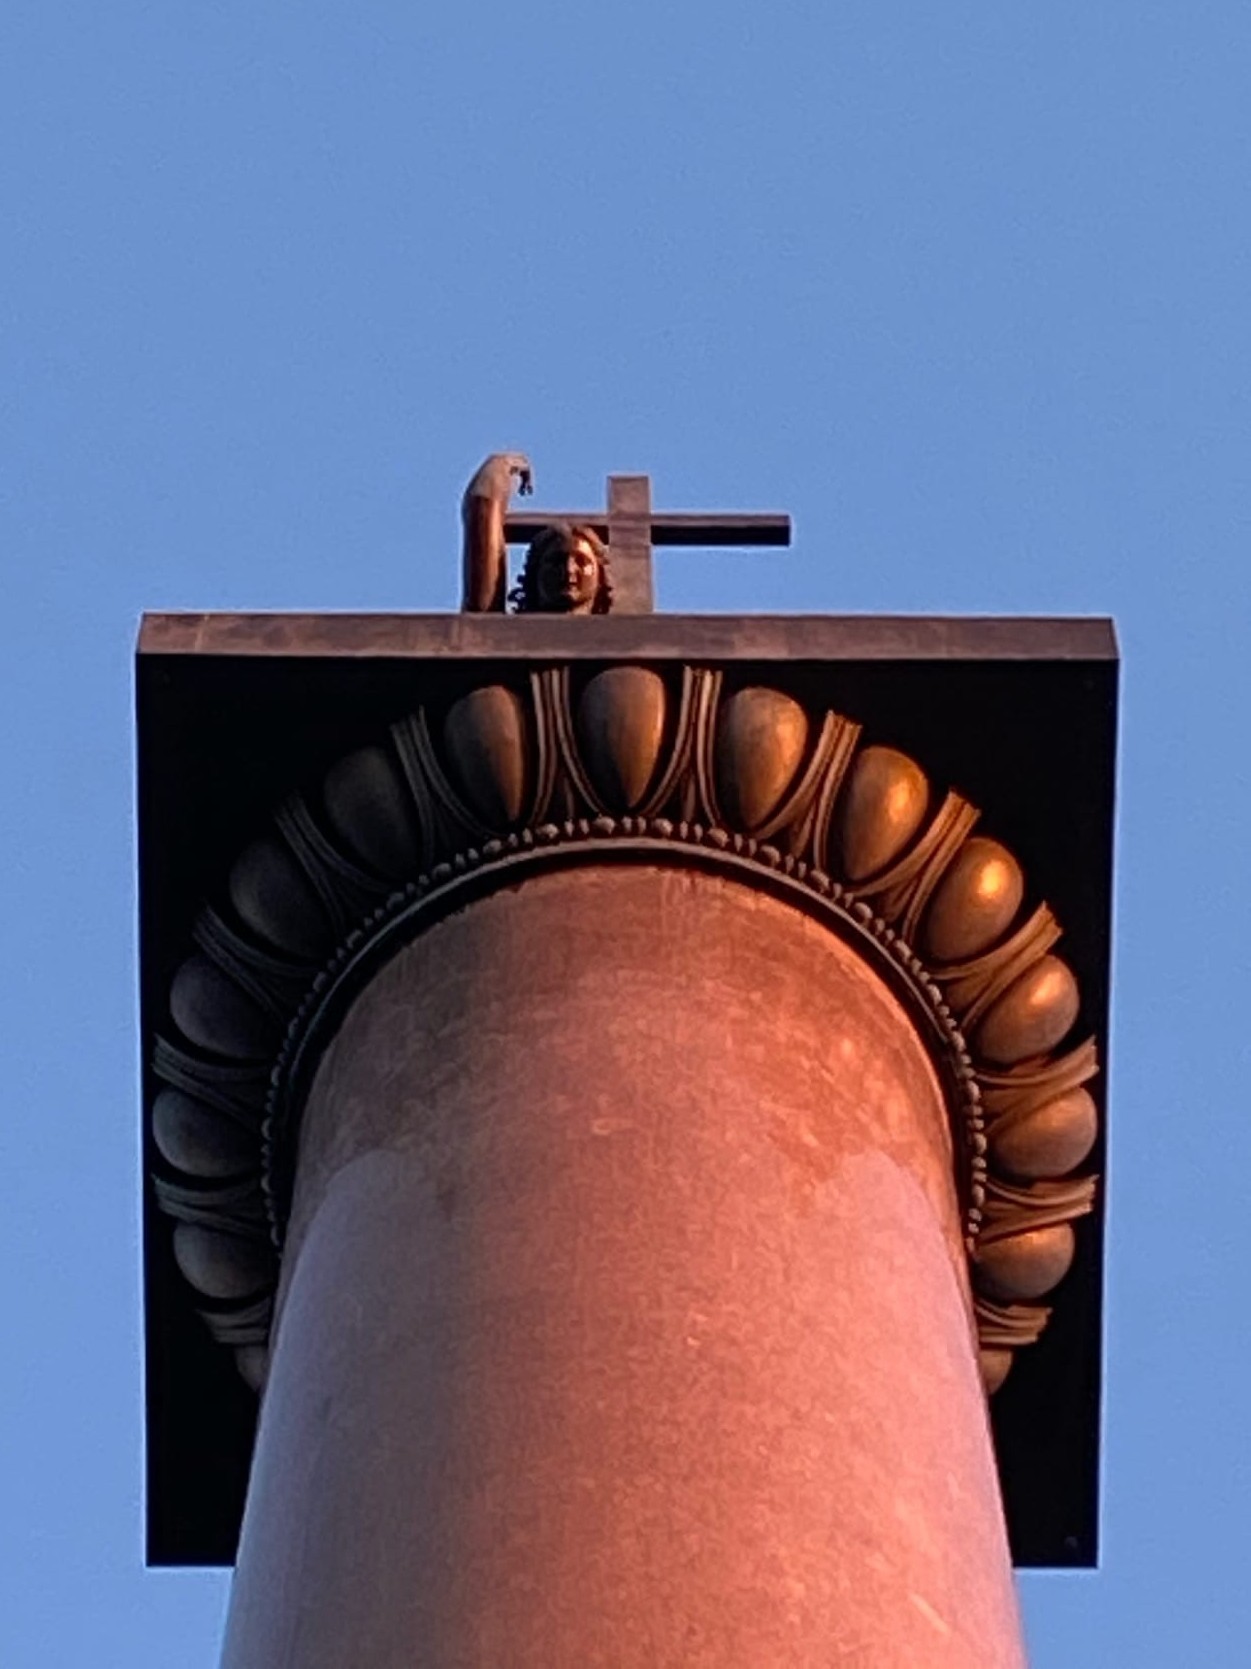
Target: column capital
[{"x": 759, "y": 770}]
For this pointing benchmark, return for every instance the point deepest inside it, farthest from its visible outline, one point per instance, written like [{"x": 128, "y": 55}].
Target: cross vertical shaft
[{"x": 630, "y": 543}]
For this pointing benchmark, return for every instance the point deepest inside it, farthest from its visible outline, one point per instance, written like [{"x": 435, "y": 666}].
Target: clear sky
[{"x": 965, "y": 287}]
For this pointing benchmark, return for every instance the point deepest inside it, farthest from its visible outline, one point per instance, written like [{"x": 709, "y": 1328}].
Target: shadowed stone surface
[{"x": 624, "y": 1318}]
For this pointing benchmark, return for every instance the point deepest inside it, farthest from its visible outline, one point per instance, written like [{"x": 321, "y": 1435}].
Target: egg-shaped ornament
[
  {"x": 371, "y": 812},
  {"x": 995, "y": 1364},
  {"x": 275, "y": 898},
  {"x": 485, "y": 736},
  {"x": 201, "y": 1140},
  {"x": 761, "y": 738},
  {"x": 974, "y": 903},
  {"x": 1022, "y": 1267},
  {"x": 620, "y": 726},
  {"x": 1031, "y": 1016},
  {"x": 252, "y": 1361},
  {"x": 223, "y": 1266},
  {"x": 1049, "y": 1141},
  {"x": 881, "y": 809},
  {"x": 211, "y": 1011}
]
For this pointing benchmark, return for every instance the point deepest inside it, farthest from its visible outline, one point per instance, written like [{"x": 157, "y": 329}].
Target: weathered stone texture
[{"x": 624, "y": 1317}]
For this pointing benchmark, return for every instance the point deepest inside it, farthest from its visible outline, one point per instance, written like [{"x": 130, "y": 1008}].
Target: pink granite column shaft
[{"x": 624, "y": 1317}]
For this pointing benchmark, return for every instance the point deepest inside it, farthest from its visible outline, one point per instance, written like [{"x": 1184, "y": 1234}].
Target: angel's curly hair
[{"x": 524, "y": 598}]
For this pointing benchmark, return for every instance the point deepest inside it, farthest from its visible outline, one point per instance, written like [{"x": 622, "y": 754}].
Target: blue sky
[{"x": 963, "y": 287}]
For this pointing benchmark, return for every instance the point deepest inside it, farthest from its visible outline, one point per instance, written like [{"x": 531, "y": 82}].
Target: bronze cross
[{"x": 630, "y": 529}]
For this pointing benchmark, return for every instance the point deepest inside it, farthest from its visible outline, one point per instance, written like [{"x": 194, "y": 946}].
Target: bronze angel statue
[{"x": 566, "y": 566}]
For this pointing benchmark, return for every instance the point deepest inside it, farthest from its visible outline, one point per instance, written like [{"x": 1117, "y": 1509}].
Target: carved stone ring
[{"x": 626, "y": 764}]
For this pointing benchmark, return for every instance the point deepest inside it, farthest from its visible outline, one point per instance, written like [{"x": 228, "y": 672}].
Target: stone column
[{"x": 624, "y": 1315}]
